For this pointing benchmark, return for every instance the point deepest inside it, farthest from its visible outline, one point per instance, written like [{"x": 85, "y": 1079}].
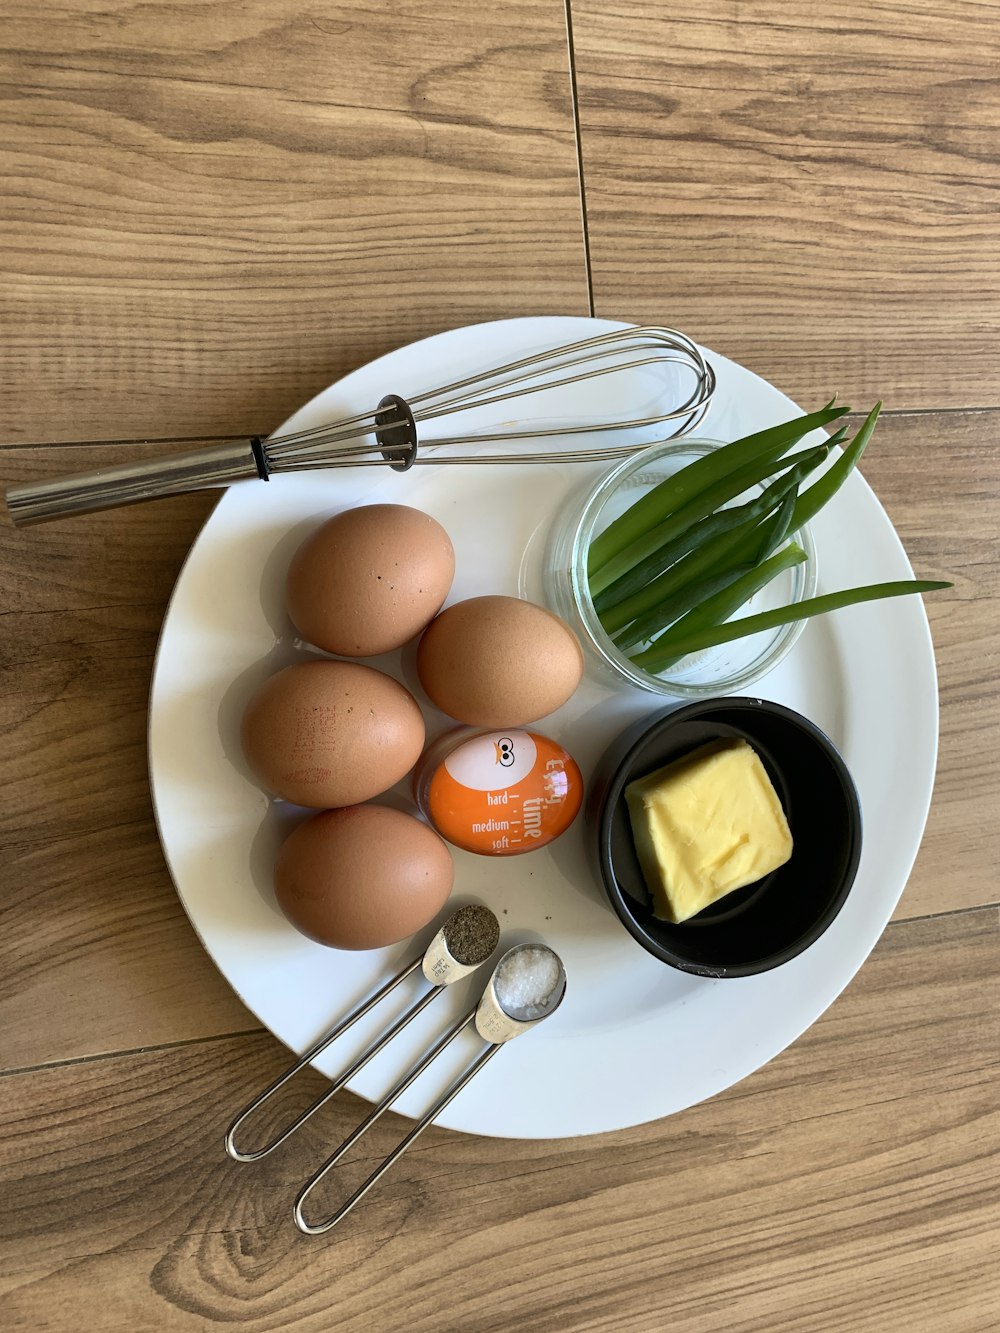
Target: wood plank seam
[
  {"x": 579, "y": 154},
  {"x": 153, "y": 1048}
]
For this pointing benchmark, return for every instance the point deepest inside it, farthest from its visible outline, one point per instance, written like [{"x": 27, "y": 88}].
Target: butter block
[{"x": 705, "y": 825}]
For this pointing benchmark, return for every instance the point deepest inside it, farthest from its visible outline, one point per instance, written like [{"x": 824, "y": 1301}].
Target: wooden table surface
[{"x": 212, "y": 211}]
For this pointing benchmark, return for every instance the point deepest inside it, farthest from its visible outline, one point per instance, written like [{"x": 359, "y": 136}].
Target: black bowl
[{"x": 764, "y": 924}]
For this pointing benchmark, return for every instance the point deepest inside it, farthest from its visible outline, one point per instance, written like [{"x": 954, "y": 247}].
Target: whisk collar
[{"x": 260, "y": 457}]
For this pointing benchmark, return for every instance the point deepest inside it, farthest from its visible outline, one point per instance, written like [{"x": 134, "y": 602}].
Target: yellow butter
[{"x": 705, "y": 825}]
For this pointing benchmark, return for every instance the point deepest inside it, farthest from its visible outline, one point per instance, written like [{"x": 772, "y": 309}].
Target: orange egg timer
[{"x": 498, "y": 793}]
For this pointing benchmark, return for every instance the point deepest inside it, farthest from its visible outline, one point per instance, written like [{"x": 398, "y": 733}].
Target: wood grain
[
  {"x": 811, "y": 191},
  {"x": 937, "y": 475},
  {"x": 851, "y": 1184},
  {"x": 96, "y": 953},
  {"x": 212, "y": 213}
]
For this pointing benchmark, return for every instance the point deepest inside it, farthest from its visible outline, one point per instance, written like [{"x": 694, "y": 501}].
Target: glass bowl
[{"x": 720, "y": 670}]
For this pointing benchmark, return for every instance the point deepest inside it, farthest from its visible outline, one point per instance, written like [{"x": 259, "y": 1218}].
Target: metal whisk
[{"x": 388, "y": 434}]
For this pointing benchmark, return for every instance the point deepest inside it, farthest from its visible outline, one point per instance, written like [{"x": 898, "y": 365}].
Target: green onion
[
  {"x": 721, "y": 532},
  {"x": 704, "y": 530},
  {"x": 704, "y": 503},
  {"x": 812, "y": 500},
  {"x": 712, "y": 558},
  {"x": 677, "y": 490},
  {"x": 670, "y": 646},
  {"x": 728, "y": 600},
  {"x": 668, "y": 609},
  {"x": 672, "y": 608},
  {"x": 776, "y": 530},
  {"x": 673, "y": 568}
]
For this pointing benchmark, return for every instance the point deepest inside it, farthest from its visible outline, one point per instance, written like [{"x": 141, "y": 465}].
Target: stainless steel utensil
[
  {"x": 438, "y": 965},
  {"x": 495, "y": 1024},
  {"x": 387, "y": 436}
]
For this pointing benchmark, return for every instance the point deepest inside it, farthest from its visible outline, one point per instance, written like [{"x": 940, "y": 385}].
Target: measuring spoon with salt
[
  {"x": 464, "y": 942},
  {"x": 527, "y": 986}
]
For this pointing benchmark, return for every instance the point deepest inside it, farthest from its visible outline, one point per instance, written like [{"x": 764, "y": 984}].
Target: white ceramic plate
[{"x": 633, "y": 1040}]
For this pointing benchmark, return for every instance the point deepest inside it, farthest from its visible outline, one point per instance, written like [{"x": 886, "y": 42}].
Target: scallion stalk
[
  {"x": 713, "y": 525},
  {"x": 723, "y": 533},
  {"x": 770, "y": 534},
  {"x": 812, "y": 500},
  {"x": 670, "y": 646},
  {"x": 685, "y": 599},
  {"x": 706, "y": 502},
  {"x": 674, "y": 492},
  {"x": 715, "y": 609}
]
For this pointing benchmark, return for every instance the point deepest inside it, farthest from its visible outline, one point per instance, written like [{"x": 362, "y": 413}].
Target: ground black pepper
[{"x": 471, "y": 935}]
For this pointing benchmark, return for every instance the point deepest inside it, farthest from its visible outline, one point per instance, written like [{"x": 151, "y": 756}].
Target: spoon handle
[
  {"x": 396, "y": 1091},
  {"x": 238, "y": 1154},
  {"x": 326, "y": 1224}
]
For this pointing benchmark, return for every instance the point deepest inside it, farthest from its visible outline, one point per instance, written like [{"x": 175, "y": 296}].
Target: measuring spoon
[
  {"x": 439, "y": 966},
  {"x": 496, "y": 1024}
]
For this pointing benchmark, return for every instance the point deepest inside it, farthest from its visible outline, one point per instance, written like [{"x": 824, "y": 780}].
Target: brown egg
[
  {"x": 369, "y": 579},
  {"x": 325, "y": 734},
  {"x": 363, "y": 877},
  {"x": 498, "y": 661}
]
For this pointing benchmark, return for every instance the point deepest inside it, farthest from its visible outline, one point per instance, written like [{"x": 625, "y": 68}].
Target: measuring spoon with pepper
[{"x": 464, "y": 942}]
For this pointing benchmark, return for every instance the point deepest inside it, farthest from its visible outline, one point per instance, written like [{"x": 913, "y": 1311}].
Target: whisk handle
[{"x": 130, "y": 483}]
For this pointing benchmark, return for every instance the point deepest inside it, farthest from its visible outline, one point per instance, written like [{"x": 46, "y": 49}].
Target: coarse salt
[{"x": 525, "y": 982}]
